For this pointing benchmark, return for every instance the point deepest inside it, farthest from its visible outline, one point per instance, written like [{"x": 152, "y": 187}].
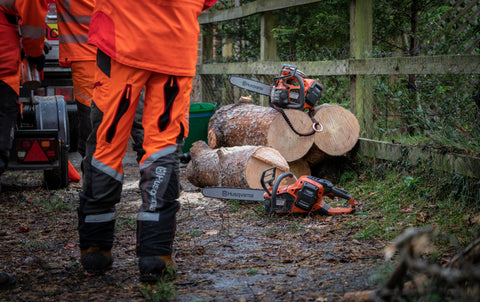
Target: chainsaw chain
[{"x": 310, "y": 111}]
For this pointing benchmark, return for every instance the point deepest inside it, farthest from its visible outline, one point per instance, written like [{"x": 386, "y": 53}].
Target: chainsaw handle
[
  {"x": 275, "y": 188},
  {"x": 334, "y": 191},
  {"x": 270, "y": 173},
  {"x": 340, "y": 193},
  {"x": 301, "y": 97},
  {"x": 299, "y": 76}
]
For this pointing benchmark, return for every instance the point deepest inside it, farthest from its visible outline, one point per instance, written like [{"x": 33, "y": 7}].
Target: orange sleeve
[
  {"x": 208, "y": 3},
  {"x": 32, "y": 15}
]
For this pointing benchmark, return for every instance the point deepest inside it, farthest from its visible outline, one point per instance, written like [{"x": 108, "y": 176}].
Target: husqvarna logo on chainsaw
[
  {"x": 249, "y": 85},
  {"x": 227, "y": 194}
]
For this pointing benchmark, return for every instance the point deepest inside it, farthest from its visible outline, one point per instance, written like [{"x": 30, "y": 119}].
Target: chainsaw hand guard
[{"x": 289, "y": 88}]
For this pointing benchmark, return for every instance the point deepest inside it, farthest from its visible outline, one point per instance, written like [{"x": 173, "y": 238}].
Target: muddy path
[{"x": 226, "y": 250}]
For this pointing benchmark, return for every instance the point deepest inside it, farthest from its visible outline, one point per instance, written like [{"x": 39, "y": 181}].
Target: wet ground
[{"x": 226, "y": 250}]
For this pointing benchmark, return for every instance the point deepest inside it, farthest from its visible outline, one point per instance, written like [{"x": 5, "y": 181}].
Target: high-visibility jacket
[
  {"x": 150, "y": 35},
  {"x": 30, "y": 17},
  {"x": 73, "y": 19}
]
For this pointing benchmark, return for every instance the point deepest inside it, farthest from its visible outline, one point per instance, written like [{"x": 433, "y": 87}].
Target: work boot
[
  {"x": 154, "y": 268},
  {"x": 96, "y": 261},
  {"x": 7, "y": 280}
]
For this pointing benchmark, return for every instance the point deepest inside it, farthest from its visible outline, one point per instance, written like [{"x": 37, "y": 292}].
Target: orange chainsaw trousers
[{"x": 116, "y": 95}]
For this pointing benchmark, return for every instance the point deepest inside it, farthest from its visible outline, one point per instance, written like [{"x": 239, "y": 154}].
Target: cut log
[
  {"x": 244, "y": 124},
  {"x": 315, "y": 155},
  {"x": 300, "y": 168},
  {"x": 340, "y": 129},
  {"x": 203, "y": 168},
  {"x": 239, "y": 166}
]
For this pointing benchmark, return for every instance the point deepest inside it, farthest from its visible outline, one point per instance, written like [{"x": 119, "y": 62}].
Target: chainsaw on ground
[
  {"x": 303, "y": 196},
  {"x": 290, "y": 90}
]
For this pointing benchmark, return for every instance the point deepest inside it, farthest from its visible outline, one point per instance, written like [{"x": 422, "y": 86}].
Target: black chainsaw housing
[{"x": 283, "y": 203}]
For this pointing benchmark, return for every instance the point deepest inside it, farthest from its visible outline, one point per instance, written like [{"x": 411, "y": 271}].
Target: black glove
[
  {"x": 46, "y": 47},
  {"x": 37, "y": 61}
]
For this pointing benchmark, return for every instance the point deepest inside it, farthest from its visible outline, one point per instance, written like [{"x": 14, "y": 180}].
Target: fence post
[
  {"x": 361, "y": 95},
  {"x": 268, "y": 44},
  {"x": 207, "y": 54}
]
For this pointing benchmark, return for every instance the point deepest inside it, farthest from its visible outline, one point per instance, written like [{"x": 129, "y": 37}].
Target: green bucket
[{"x": 199, "y": 116}]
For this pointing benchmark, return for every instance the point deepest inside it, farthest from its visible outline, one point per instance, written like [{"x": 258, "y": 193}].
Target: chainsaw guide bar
[
  {"x": 234, "y": 193},
  {"x": 251, "y": 85}
]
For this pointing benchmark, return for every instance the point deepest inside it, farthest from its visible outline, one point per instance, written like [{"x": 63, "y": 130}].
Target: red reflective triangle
[{"x": 36, "y": 153}]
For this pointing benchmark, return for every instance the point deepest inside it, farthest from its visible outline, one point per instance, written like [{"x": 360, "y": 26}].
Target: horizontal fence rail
[{"x": 455, "y": 64}]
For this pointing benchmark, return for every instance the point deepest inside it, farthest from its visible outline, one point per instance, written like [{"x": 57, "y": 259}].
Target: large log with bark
[
  {"x": 243, "y": 124},
  {"x": 340, "y": 129},
  {"x": 239, "y": 166}
]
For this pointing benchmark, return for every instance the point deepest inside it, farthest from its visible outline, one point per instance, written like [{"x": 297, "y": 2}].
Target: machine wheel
[{"x": 58, "y": 178}]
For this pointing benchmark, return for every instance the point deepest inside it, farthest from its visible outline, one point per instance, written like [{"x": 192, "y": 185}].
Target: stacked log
[
  {"x": 239, "y": 166},
  {"x": 243, "y": 125},
  {"x": 340, "y": 129}
]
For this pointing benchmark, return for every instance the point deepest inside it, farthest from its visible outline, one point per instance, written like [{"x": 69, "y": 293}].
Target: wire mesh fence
[
  {"x": 438, "y": 110},
  {"x": 441, "y": 110}
]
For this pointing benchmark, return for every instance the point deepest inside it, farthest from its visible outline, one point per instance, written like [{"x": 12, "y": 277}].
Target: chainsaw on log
[
  {"x": 290, "y": 90},
  {"x": 304, "y": 196}
]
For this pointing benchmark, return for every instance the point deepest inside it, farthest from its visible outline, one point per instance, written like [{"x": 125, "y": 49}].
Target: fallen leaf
[
  {"x": 24, "y": 229},
  {"x": 212, "y": 232}
]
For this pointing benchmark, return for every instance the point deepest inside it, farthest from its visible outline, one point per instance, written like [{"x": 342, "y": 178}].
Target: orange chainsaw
[
  {"x": 303, "y": 196},
  {"x": 290, "y": 90}
]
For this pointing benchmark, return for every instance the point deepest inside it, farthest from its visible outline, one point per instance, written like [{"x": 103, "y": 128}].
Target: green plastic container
[{"x": 199, "y": 116}]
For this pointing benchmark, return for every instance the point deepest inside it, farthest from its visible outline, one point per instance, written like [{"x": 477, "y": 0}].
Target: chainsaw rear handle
[{"x": 331, "y": 191}]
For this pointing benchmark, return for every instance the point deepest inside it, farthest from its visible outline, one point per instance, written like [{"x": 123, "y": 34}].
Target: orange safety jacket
[
  {"x": 159, "y": 36},
  {"x": 30, "y": 16},
  {"x": 73, "y": 19}
]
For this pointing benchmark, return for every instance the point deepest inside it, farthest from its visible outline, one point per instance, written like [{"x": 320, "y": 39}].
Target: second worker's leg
[{"x": 165, "y": 122}]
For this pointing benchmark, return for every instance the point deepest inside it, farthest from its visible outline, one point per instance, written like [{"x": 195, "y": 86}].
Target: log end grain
[
  {"x": 340, "y": 132},
  {"x": 281, "y": 137},
  {"x": 300, "y": 168},
  {"x": 212, "y": 138},
  {"x": 262, "y": 159}
]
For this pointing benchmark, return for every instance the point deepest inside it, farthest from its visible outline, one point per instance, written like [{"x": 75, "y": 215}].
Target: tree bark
[
  {"x": 362, "y": 296},
  {"x": 315, "y": 155},
  {"x": 203, "y": 169},
  {"x": 340, "y": 129},
  {"x": 245, "y": 124},
  {"x": 239, "y": 166}
]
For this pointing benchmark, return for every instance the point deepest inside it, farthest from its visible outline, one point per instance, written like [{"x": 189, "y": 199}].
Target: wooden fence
[{"x": 359, "y": 67}]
